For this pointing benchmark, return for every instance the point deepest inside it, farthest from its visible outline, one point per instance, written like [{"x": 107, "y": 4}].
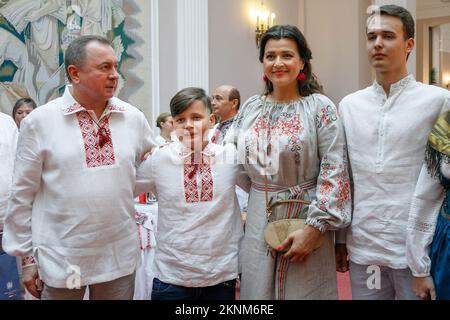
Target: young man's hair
[
  {"x": 184, "y": 98},
  {"x": 400, "y": 13},
  {"x": 76, "y": 51}
]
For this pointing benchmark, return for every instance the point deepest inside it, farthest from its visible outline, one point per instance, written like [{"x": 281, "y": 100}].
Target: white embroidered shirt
[{"x": 72, "y": 199}]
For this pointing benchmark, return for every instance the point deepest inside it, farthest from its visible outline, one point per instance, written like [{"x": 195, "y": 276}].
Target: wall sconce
[{"x": 264, "y": 20}]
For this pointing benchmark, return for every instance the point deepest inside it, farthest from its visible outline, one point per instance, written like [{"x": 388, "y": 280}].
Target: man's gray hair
[{"x": 76, "y": 51}]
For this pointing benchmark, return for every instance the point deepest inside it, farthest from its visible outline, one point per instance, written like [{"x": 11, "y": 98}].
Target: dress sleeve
[
  {"x": 425, "y": 205},
  {"x": 332, "y": 209},
  {"x": 17, "y": 239}
]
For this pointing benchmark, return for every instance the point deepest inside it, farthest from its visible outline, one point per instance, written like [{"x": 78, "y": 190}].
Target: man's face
[
  {"x": 192, "y": 126},
  {"x": 97, "y": 79},
  {"x": 223, "y": 107},
  {"x": 386, "y": 45}
]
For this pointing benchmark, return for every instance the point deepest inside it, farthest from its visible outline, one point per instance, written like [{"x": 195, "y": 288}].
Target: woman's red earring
[
  {"x": 301, "y": 76},
  {"x": 265, "y": 78}
]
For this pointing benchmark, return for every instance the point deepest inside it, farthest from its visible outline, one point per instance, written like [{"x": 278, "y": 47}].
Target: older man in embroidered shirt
[
  {"x": 386, "y": 127},
  {"x": 71, "y": 214}
]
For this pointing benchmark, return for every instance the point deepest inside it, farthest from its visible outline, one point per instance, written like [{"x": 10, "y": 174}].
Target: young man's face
[
  {"x": 192, "y": 126},
  {"x": 387, "y": 47}
]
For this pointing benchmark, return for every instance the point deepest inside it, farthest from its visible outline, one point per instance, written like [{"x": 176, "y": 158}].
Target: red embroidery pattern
[
  {"x": 326, "y": 188},
  {"x": 285, "y": 125},
  {"x": 190, "y": 182},
  {"x": 323, "y": 203},
  {"x": 326, "y": 168},
  {"x": 113, "y": 107},
  {"x": 327, "y": 115},
  {"x": 207, "y": 180},
  {"x": 191, "y": 192},
  {"x": 73, "y": 108},
  {"x": 95, "y": 156},
  {"x": 343, "y": 192}
]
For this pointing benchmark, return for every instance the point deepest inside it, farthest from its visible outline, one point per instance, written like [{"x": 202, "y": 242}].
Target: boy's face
[{"x": 192, "y": 126}]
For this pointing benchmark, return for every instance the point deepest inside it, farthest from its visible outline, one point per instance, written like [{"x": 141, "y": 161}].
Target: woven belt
[{"x": 294, "y": 190}]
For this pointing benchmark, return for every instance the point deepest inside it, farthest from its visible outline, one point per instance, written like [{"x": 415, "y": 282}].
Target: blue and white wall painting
[{"x": 34, "y": 35}]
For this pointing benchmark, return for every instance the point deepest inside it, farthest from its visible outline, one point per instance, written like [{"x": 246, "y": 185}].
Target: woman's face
[
  {"x": 168, "y": 124},
  {"x": 22, "y": 112},
  {"x": 282, "y": 62}
]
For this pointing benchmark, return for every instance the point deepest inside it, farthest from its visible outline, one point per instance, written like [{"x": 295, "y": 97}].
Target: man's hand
[
  {"x": 31, "y": 280},
  {"x": 424, "y": 288},
  {"x": 301, "y": 242},
  {"x": 342, "y": 263}
]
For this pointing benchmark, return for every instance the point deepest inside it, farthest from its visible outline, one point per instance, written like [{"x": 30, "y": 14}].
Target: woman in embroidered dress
[
  {"x": 428, "y": 240},
  {"x": 296, "y": 130}
]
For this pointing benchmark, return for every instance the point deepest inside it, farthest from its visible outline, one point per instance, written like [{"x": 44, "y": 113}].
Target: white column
[
  {"x": 192, "y": 44},
  {"x": 154, "y": 48},
  {"x": 411, "y": 6}
]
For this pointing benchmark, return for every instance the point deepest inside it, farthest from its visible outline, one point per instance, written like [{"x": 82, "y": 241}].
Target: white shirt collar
[
  {"x": 71, "y": 106},
  {"x": 395, "y": 87}
]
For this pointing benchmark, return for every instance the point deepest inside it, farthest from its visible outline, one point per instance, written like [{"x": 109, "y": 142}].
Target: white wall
[
  {"x": 233, "y": 52},
  {"x": 336, "y": 34}
]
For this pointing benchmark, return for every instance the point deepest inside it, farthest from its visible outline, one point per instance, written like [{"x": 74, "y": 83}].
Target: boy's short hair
[{"x": 185, "y": 97}]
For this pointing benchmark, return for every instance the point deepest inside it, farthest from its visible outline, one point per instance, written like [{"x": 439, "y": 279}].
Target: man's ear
[
  {"x": 212, "y": 120},
  {"x": 410, "y": 45},
  {"x": 73, "y": 73},
  {"x": 235, "y": 104}
]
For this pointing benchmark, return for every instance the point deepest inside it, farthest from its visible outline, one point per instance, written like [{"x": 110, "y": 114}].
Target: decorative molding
[
  {"x": 192, "y": 44},
  {"x": 427, "y": 9}
]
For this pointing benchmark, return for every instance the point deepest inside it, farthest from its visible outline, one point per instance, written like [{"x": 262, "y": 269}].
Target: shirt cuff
[
  {"x": 28, "y": 261},
  {"x": 316, "y": 223}
]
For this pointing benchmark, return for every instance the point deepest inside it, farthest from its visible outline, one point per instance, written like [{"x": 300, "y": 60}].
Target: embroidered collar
[
  {"x": 395, "y": 87},
  {"x": 71, "y": 106},
  {"x": 228, "y": 122},
  {"x": 186, "y": 153}
]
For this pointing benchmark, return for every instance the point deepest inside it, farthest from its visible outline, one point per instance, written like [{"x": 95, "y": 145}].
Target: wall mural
[{"x": 34, "y": 35}]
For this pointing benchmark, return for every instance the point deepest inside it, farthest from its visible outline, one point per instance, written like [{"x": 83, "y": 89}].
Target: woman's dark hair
[
  {"x": 20, "y": 103},
  {"x": 311, "y": 84}
]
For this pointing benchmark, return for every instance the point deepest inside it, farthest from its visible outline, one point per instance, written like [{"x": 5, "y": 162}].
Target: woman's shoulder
[
  {"x": 321, "y": 100},
  {"x": 255, "y": 100}
]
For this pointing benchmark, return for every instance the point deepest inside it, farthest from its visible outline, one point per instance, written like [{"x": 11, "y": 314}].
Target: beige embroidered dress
[{"x": 304, "y": 146}]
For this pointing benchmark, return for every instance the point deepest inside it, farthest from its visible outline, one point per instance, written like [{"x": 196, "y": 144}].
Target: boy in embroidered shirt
[{"x": 199, "y": 223}]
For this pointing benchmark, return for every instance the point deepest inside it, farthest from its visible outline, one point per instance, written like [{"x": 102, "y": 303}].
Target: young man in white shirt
[
  {"x": 71, "y": 212},
  {"x": 386, "y": 127},
  {"x": 199, "y": 223}
]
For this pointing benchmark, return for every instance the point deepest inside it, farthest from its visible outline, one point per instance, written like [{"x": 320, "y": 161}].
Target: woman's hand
[
  {"x": 148, "y": 154},
  {"x": 424, "y": 288},
  {"x": 301, "y": 242}
]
